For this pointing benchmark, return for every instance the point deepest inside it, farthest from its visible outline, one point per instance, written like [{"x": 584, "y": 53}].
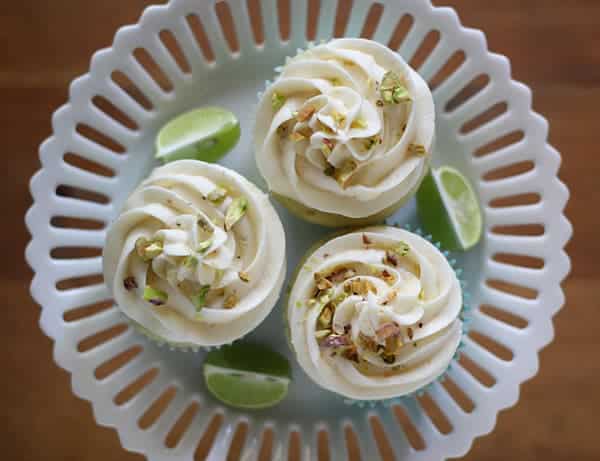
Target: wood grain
[{"x": 554, "y": 46}]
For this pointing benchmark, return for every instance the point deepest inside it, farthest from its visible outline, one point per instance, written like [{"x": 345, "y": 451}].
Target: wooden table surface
[{"x": 554, "y": 46}]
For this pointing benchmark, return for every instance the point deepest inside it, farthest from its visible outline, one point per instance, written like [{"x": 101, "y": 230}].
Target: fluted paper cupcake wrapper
[
  {"x": 465, "y": 317},
  {"x": 173, "y": 346}
]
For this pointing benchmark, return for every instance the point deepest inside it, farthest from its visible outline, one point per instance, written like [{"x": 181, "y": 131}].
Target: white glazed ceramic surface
[{"x": 521, "y": 196}]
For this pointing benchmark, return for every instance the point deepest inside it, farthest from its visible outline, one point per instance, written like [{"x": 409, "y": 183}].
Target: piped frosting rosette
[
  {"x": 197, "y": 255},
  {"x": 345, "y": 130},
  {"x": 374, "y": 314}
]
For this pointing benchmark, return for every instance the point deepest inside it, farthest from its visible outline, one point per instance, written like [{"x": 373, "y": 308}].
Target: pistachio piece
[
  {"x": 334, "y": 340},
  {"x": 350, "y": 353},
  {"x": 391, "y": 258},
  {"x": 341, "y": 274},
  {"x": 199, "y": 299},
  {"x": 327, "y": 147},
  {"x": 345, "y": 171},
  {"x": 320, "y": 334},
  {"x": 400, "y": 94},
  {"x": 284, "y": 129},
  {"x": 305, "y": 113},
  {"x": 204, "y": 225},
  {"x": 402, "y": 249},
  {"x": 148, "y": 249},
  {"x": 311, "y": 302},
  {"x": 387, "y": 276},
  {"x": 190, "y": 261},
  {"x": 366, "y": 240},
  {"x": 235, "y": 212},
  {"x": 392, "y": 89},
  {"x": 335, "y": 81},
  {"x": 417, "y": 149},
  {"x": 277, "y": 100},
  {"x": 155, "y": 296},
  {"x": 322, "y": 282},
  {"x": 329, "y": 170},
  {"x": 129, "y": 283},
  {"x": 361, "y": 287},
  {"x": 387, "y": 330},
  {"x": 379, "y": 103},
  {"x": 204, "y": 246},
  {"x": 389, "y": 359},
  {"x": 244, "y": 277},
  {"x": 217, "y": 195},
  {"x": 230, "y": 301},
  {"x": 422, "y": 295},
  {"x": 368, "y": 342},
  {"x": 325, "y": 317}
]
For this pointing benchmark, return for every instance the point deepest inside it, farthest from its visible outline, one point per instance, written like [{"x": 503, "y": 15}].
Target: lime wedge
[
  {"x": 204, "y": 134},
  {"x": 247, "y": 375},
  {"x": 449, "y": 209}
]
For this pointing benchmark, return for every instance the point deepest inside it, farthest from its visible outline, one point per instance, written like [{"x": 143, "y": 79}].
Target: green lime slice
[
  {"x": 449, "y": 209},
  {"x": 247, "y": 375},
  {"x": 204, "y": 134}
]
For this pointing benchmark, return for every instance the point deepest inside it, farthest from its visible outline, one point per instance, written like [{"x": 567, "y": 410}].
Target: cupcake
[
  {"x": 197, "y": 255},
  {"x": 343, "y": 136},
  {"x": 374, "y": 314}
]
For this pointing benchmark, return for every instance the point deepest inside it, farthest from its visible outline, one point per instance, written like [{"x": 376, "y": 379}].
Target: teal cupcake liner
[{"x": 465, "y": 317}]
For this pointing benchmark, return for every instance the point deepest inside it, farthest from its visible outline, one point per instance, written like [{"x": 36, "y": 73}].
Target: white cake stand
[{"x": 514, "y": 274}]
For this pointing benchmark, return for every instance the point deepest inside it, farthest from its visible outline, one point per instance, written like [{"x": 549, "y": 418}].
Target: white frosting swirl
[
  {"x": 237, "y": 270},
  {"x": 379, "y": 294},
  {"x": 329, "y": 113}
]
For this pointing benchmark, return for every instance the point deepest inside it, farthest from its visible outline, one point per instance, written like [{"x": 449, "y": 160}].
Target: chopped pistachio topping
[
  {"x": 284, "y": 129},
  {"x": 366, "y": 240},
  {"x": 391, "y": 258},
  {"x": 387, "y": 276},
  {"x": 422, "y": 294},
  {"x": 204, "y": 225},
  {"x": 235, "y": 212},
  {"x": 392, "y": 89},
  {"x": 129, "y": 283},
  {"x": 148, "y": 249},
  {"x": 358, "y": 123},
  {"x": 199, "y": 299},
  {"x": 230, "y": 301},
  {"x": 360, "y": 286},
  {"x": 277, "y": 101},
  {"x": 155, "y": 296},
  {"x": 387, "y": 330},
  {"x": 298, "y": 304},
  {"x": 305, "y": 113},
  {"x": 336, "y": 81},
  {"x": 190, "y": 261},
  {"x": 335, "y": 341},
  {"x": 417, "y": 149},
  {"x": 379, "y": 103},
  {"x": 322, "y": 282},
  {"x": 311, "y": 303},
  {"x": 327, "y": 147},
  {"x": 329, "y": 170},
  {"x": 217, "y": 195},
  {"x": 325, "y": 318},
  {"x": 244, "y": 277},
  {"x": 340, "y": 274},
  {"x": 320, "y": 334},
  {"x": 296, "y": 137},
  {"x": 345, "y": 172},
  {"x": 204, "y": 246},
  {"x": 402, "y": 249}
]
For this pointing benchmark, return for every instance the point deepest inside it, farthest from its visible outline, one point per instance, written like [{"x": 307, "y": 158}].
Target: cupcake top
[
  {"x": 374, "y": 314},
  {"x": 197, "y": 255},
  {"x": 346, "y": 128}
]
